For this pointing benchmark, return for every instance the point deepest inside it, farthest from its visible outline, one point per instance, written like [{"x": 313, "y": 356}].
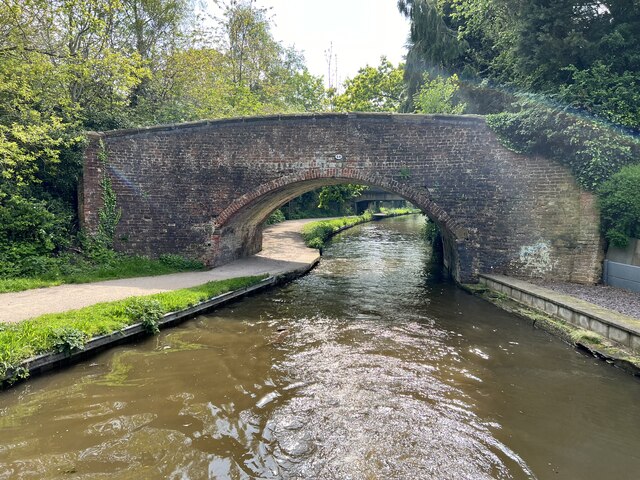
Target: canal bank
[
  {"x": 606, "y": 334},
  {"x": 283, "y": 258},
  {"x": 283, "y": 251}
]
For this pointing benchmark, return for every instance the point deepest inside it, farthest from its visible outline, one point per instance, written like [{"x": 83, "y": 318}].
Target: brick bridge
[{"x": 204, "y": 189}]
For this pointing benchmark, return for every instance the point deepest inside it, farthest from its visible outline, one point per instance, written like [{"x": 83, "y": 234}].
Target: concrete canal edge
[
  {"x": 51, "y": 361},
  {"x": 608, "y": 335}
]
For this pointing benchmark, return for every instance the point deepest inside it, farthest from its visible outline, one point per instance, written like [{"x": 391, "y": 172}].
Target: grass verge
[
  {"x": 68, "y": 331},
  {"x": 395, "y": 212},
  {"x": 315, "y": 234},
  {"x": 78, "y": 270}
]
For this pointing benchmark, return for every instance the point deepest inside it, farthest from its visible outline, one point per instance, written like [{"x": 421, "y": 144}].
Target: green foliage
[
  {"x": 96, "y": 265},
  {"x": 316, "y": 233},
  {"x": 68, "y": 339},
  {"x": 430, "y": 231},
  {"x": 434, "y": 45},
  {"x": 585, "y": 336},
  {"x": 583, "y": 53},
  {"x": 594, "y": 151},
  {"x": 620, "y": 206},
  {"x": 109, "y": 214},
  {"x": 15, "y": 373},
  {"x": 236, "y": 69},
  {"x": 438, "y": 96},
  {"x": 180, "y": 263},
  {"x": 373, "y": 89},
  {"x": 47, "y": 333},
  {"x": 338, "y": 194},
  {"x": 145, "y": 311},
  {"x": 306, "y": 206},
  {"x": 315, "y": 242},
  {"x": 29, "y": 229},
  {"x": 404, "y": 173},
  {"x": 276, "y": 217},
  {"x": 396, "y": 212},
  {"x": 605, "y": 94}
]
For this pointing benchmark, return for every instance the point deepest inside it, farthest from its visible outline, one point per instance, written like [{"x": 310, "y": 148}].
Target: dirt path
[{"x": 283, "y": 251}]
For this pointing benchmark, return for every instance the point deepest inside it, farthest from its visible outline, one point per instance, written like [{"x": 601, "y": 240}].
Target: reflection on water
[{"x": 368, "y": 368}]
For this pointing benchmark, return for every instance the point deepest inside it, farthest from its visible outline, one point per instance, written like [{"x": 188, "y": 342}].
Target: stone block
[
  {"x": 619, "y": 336},
  {"x": 550, "y": 307},
  {"x": 539, "y": 303},
  {"x": 583, "y": 321},
  {"x": 566, "y": 314},
  {"x": 527, "y": 299},
  {"x": 599, "y": 327}
]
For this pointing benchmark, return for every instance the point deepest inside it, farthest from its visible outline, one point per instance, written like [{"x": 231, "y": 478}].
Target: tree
[
  {"x": 434, "y": 45},
  {"x": 604, "y": 94},
  {"x": 373, "y": 89},
  {"x": 151, "y": 28},
  {"x": 438, "y": 96},
  {"x": 339, "y": 194},
  {"x": 266, "y": 77},
  {"x": 542, "y": 47}
]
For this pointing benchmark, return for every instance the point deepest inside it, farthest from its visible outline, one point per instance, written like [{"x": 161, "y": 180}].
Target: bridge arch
[
  {"x": 237, "y": 230},
  {"x": 202, "y": 189}
]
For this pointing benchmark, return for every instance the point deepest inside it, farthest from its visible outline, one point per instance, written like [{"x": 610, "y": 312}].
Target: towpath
[{"x": 283, "y": 251}]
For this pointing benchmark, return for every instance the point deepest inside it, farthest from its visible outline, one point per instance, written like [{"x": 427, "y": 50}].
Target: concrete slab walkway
[{"x": 283, "y": 251}]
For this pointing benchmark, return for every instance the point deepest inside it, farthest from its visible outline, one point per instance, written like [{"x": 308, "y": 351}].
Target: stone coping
[
  {"x": 576, "y": 311},
  {"x": 405, "y": 117}
]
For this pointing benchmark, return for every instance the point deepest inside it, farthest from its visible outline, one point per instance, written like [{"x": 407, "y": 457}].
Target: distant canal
[{"x": 370, "y": 367}]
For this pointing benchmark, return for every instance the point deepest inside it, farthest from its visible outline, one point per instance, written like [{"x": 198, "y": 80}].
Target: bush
[
  {"x": 276, "y": 217},
  {"x": 316, "y": 233},
  {"x": 315, "y": 242},
  {"x": 30, "y": 229},
  {"x": 620, "y": 206},
  {"x": 38, "y": 266},
  {"x": 68, "y": 339},
  {"x": 430, "y": 231},
  {"x": 145, "y": 311}
]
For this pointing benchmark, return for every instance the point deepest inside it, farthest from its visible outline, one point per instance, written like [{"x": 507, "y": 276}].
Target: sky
[{"x": 361, "y": 32}]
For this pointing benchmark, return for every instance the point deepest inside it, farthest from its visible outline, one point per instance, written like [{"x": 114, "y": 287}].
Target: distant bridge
[
  {"x": 204, "y": 189},
  {"x": 375, "y": 195}
]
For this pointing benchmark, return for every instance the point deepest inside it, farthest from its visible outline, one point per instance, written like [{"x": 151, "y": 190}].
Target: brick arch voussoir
[{"x": 417, "y": 197}]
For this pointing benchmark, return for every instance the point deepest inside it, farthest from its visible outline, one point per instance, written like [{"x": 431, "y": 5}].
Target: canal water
[{"x": 370, "y": 367}]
